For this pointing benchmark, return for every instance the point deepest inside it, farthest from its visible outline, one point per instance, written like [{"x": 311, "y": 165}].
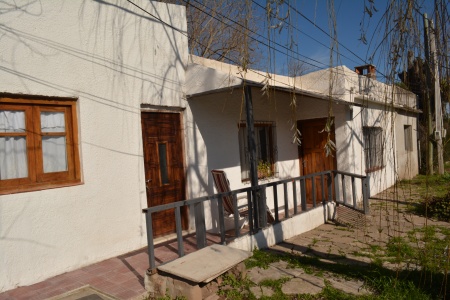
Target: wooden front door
[
  {"x": 164, "y": 169},
  {"x": 312, "y": 155}
]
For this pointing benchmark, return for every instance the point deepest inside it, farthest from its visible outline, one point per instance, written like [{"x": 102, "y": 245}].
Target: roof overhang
[
  {"x": 365, "y": 99},
  {"x": 295, "y": 91}
]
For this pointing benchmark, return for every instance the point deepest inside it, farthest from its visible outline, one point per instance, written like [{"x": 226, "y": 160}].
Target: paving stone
[
  {"x": 306, "y": 284},
  {"x": 284, "y": 268},
  {"x": 260, "y": 291},
  {"x": 349, "y": 286},
  {"x": 257, "y": 275}
]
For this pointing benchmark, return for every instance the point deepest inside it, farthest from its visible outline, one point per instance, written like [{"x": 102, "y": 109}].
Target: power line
[
  {"x": 312, "y": 38},
  {"x": 318, "y": 27},
  {"x": 259, "y": 35},
  {"x": 231, "y": 60}
]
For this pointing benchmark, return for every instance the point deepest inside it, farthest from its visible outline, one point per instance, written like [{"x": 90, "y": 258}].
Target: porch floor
[{"x": 121, "y": 277}]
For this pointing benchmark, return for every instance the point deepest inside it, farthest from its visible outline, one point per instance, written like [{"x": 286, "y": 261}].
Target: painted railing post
[
  {"x": 262, "y": 207},
  {"x": 303, "y": 193},
  {"x": 275, "y": 202},
  {"x": 336, "y": 186},
  {"x": 200, "y": 227},
  {"x": 179, "y": 231},
  {"x": 151, "y": 246},
  {"x": 286, "y": 200},
  {"x": 294, "y": 192},
  {"x": 221, "y": 220},
  {"x": 250, "y": 211},
  {"x": 330, "y": 187},
  {"x": 366, "y": 194}
]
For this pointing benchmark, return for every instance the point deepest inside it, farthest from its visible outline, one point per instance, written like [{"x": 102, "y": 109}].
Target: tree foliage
[{"x": 217, "y": 29}]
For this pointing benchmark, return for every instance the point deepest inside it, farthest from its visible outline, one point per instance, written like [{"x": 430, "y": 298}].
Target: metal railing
[{"x": 292, "y": 188}]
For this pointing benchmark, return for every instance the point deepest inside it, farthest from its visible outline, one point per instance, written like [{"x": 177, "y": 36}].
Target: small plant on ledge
[{"x": 264, "y": 169}]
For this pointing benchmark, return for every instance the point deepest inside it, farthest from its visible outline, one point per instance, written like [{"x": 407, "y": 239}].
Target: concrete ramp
[{"x": 206, "y": 264}]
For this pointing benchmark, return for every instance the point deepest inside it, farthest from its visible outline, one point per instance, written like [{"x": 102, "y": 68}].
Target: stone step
[{"x": 185, "y": 275}]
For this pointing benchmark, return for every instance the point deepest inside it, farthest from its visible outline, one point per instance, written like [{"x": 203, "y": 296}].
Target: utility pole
[
  {"x": 428, "y": 100},
  {"x": 437, "y": 101}
]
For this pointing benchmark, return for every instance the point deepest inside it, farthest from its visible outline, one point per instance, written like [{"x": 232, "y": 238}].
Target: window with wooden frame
[
  {"x": 265, "y": 149},
  {"x": 38, "y": 144},
  {"x": 407, "y": 130},
  {"x": 373, "y": 148}
]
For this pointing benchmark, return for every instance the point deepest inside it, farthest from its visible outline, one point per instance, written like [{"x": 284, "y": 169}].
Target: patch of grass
[
  {"x": 262, "y": 259},
  {"x": 235, "y": 288},
  {"x": 430, "y": 185},
  {"x": 422, "y": 283},
  {"x": 329, "y": 292},
  {"x": 435, "y": 208},
  {"x": 276, "y": 286},
  {"x": 393, "y": 288},
  {"x": 399, "y": 248}
]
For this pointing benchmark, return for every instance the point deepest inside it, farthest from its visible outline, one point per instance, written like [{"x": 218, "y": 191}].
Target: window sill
[
  {"x": 38, "y": 187},
  {"x": 247, "y": 180}
]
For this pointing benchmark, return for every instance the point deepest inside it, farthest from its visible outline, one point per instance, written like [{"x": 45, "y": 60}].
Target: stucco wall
[
  {"x": 214, "y": 129},
  {"x": 112, "y": 57}
]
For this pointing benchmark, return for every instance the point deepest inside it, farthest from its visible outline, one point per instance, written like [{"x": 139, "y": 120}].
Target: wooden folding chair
[{"x": 223, "y": 185}]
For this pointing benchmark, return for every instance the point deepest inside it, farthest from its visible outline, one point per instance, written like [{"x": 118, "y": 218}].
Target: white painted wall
[
  {"x": 112, "y": 57},
  {"x": 214, "y": 129}
]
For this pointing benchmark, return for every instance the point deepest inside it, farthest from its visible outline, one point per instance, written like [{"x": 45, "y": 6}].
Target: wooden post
[
  {"x": 252, "y": 152},
  {"x": 428, "y": 100},
  {"x": 437, "y": 101}
]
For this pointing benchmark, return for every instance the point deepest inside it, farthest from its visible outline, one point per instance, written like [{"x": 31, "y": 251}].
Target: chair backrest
[{"x": 223, "y": 185}]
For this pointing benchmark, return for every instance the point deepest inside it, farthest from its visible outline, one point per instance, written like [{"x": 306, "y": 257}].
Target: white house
[
  {"x": 103, "y": 114},
  {"x": 374, "y": 125},
  {"x": 75, "y": 78}
]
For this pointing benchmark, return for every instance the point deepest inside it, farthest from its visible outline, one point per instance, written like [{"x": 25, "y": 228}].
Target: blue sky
[{"x": 310, "y": 40}]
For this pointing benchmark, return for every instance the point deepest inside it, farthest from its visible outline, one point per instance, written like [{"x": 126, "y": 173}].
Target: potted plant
[{"x": 264, "y": 169}]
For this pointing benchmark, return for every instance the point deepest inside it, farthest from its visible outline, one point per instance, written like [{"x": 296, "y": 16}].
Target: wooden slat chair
[{"x": 223, "y": 185}]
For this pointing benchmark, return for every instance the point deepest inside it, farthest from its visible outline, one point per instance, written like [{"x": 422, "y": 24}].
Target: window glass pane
[
  {"x": 54, "y": 153},
  {"x": 12, "y": 121},
  {"x": 373, "y": 147},
  {"x": 13, "y": 157},
  {"x": 52, "y": 121},
  {"x": 243, "y": 152},
  {"x": 262, "y": 145},
  {"x": 162, "y": 149}
]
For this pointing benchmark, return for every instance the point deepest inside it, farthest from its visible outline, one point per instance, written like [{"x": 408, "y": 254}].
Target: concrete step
[{"x": 186, "y": 275}]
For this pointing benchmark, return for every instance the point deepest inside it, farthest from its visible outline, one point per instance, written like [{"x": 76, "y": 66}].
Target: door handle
[{"x": 147, "y": 182}]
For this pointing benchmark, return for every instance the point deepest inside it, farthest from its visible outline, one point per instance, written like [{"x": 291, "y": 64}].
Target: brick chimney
[{"x": 367, "y": 70}]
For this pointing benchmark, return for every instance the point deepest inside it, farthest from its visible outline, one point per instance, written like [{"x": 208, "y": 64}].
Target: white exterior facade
[
  {"x": 216, "y": 99},
  {"x": 117, "y": 61},
  {"x": 113, "y": 58}
]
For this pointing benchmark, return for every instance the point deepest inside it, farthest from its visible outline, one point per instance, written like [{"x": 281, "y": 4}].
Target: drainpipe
[{"x": 252, "y": 153}]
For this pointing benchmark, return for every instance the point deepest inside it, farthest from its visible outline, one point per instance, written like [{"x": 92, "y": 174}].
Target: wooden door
[
  {"x": 164, "y": 169},
  {"x": 312, "y": 155}
]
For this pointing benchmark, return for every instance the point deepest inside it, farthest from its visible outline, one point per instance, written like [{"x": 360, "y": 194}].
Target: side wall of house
[
  {"x": 379, "y": 117},
  {"x": 110, "y": 56}
]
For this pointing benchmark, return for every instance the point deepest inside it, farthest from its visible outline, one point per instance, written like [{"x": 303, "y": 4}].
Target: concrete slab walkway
[
  {"x": 352, "y": 240},
  {"x": 123, "y": 277}
]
